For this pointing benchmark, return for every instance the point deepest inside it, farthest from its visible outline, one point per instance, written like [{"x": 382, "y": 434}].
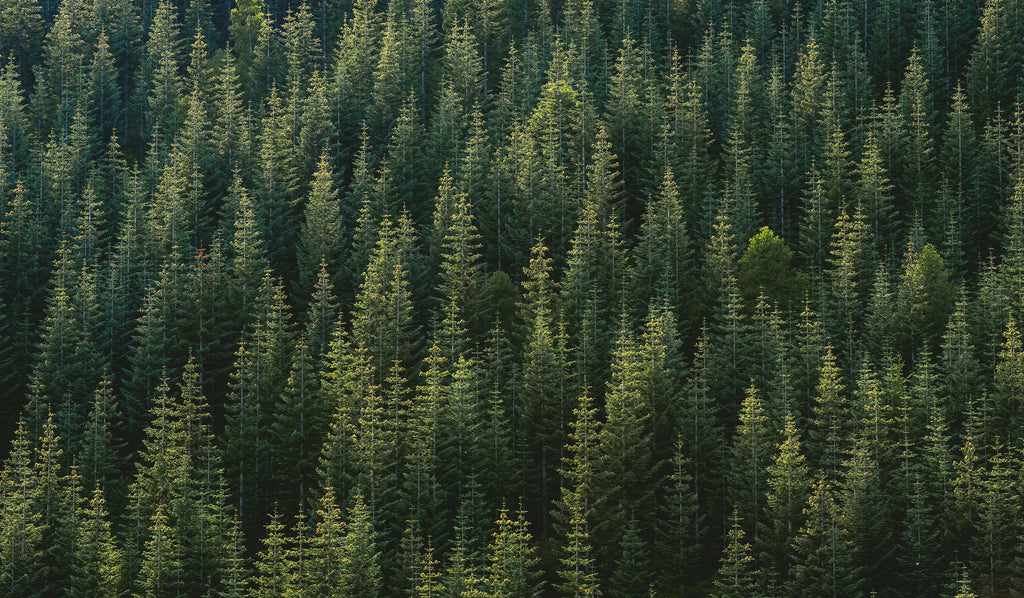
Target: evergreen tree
[
  {"x": 829, "y": 434},
  {"x": 160, "y": 559},
  {"x": 100, "y": 461},
  {"x": 578, "y": 575},
  {"x": 382, "y": 323},
  {"x": 918, "y": 167},
  {"x": 596, "y": 270},
  {"x": 511, "y": 570},
  {"x": 23, "y": 519},
  {"x": 703, "y": 444},
  {"x": 750, "y": 454},
  {"x": 361, "y": 575},
  {"x": 98, "y": 568},
  {"x": 765, "y": 270},
  {"x": 663, "y": 252},
  {"x": 736, "y": 576},
  {"x": 319, "y": 245},
  {"x": 788, "y": 489},
  {"x": 1006, "y": 386},
  {"x": 271, "y": 566},
  {"x": 824, "y": 550},
  {"x": 544, "y": 395},
  {"x": 959, "y": 171},
  {"x": 632, "y": 573},
  {"x": 626, "y": 439}
]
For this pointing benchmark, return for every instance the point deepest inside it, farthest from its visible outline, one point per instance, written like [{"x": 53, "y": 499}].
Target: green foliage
[
  {"x": 765, "y": 269},
  {"x": 545, "y": 252},
  {"x": 736, "y": 576}
]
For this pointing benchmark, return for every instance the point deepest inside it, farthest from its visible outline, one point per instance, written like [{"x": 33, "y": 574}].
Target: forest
[{"x": 511, "y": 298}]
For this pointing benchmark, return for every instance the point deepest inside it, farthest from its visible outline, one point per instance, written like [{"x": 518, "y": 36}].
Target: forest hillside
[{"x": 481, "y": 298}]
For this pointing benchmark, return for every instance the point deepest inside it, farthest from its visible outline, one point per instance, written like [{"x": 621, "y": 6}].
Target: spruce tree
[
  {"x": 320, "y": 238},
  {"x": 512, "y": 561},
  {"x": 750, "y": 455},
  {"x": 23, "y": 518},
  {"x": 736, "y": 575},
  {"x": 578, "y": 575},
  {"x": 97, "y": 565},
  {"x": 361, "y": 575},
  {"x": 544, "y": 394},
  {"x": 823, "y": 549}
]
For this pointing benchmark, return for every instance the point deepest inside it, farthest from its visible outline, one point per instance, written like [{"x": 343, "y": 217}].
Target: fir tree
[{"x": 736, "y": 576}]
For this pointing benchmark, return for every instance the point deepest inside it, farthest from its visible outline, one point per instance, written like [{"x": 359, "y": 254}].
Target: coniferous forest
[{"x": 481, "y": 298}]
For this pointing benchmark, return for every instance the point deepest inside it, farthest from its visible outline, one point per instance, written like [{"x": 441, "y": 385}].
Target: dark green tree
[
  {"x": 823, "y": 549},
  {"x": 736, "y": 575}
]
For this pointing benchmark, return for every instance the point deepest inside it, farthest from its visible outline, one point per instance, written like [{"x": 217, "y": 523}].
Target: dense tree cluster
[{"x": 413, "y": 298}]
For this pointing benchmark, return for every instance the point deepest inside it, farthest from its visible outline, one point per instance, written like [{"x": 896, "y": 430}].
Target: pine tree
[
  {"x": 320, "y": 239},
  {"x": 259, "y": 376},
  {"x": 230, "y": 134},
  {"x": 788, "y": 490},
  {"x": 382, "y": 323},
  {"x": 193, "y": 144},
  {"x": 61, "y": 74},
  {"x": 579, "y": 577},
  {"x": 749, "y": 459},
  {"x": 422, "y": 493},
  {"x": 924, "y": 300},
  {"x": 829, "y": 434},
  {"x": 963, "y": 584},
  {"x": 742, "y": 151},
  {"x": 23, "y": 520},
  {"x": 703, "y": 444},
  {"x": 162, "y": 63},
  {"x": 919, "y": 171},
  {"x": 845, "y": 284},
  {"x": 249, "y": 260},
  {"x": 676, "y": 549},
  {"x": 361, "y": 575},
  {"x": 271, "y": 566},
  {"x": 100, "y": 461},
  {"x": 662, "y": 253},
  {"x": 321, "y": 575},
  {"x": 463, "y": 574},
  {"x": 823, "y": 550},
  {"x": 68, "y": 364},
  {"x": 277, "y": 183},
  {"x": 628, "y": 129},
  {"x": 236, "y": 578},
  {"x": 779, "y": 169},
  {"x": 808, "y": 98},
  {"x": 511, "y": 570},
  {"x": 597, "y": 269},
  {"x": 872, "y": 485},
  {"x": 98, "y": 568},
  {"x": 736, "y": 575},
  {"x": 460, "y": 271},
  {"x": 375, "y": 442},
  {"x": 161, "y": 563},
  {"x": 873, "y": 193},
  {"x": 427, "y": 582},
  {"x": 995, "y": 57},
  {"x": 1007, "y": 385},
  {"x": 966, "y": 487},
  {"x": 301, "y": 417},
  {"x": 959, "y": 171},
  {"x": 994, "y": 545},
  {"x": 544, "y": 395},
  {"x": 691, "y": 131},
  {"x": 626, "y": 439}
]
